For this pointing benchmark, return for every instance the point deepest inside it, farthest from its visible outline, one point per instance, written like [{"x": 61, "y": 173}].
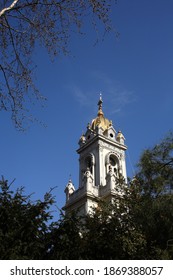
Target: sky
[{"x": 134, "y": 73}]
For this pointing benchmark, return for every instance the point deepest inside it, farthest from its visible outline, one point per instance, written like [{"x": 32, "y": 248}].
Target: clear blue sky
[{"x": 135, "y": 76}]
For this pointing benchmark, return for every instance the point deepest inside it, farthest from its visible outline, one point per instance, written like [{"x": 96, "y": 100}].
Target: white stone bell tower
[{"x": 101, "y": 160}]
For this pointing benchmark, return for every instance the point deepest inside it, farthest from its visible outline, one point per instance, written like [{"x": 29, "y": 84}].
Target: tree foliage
[
  {"x": 154, "y": 205},
  {"x": 65, "y": 238},
  {"x": 28, "y": 23},
  {"x": 23, "y": 224},
  {"x": 138, "y": 225}
]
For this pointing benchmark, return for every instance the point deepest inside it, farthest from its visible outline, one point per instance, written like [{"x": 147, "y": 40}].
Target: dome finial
[
  {"x": 100, "y": 112},
  {"x": 100, "y": 121}
]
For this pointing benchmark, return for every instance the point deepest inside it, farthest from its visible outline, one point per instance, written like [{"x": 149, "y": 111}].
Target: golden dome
[{"x": 100, "y": 120}]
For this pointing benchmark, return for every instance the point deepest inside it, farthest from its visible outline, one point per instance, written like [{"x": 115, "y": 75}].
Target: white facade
[{"x": 101, "y": 159}]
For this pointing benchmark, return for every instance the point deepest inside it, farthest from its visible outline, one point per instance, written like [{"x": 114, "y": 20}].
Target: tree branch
[
  {"x": 8, "y": 86},
  {"x": 8, "y": 8},
  {"x": 13, "y": 45},
  {"x": 170, "y": 162}
]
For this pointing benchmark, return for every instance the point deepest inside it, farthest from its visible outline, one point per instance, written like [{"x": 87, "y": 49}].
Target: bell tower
[{"x": 101, "y": 160}]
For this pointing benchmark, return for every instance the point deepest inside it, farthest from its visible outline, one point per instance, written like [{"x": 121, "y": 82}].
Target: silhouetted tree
[
  {"x": 153, "y": 198},
  {"x": 23, "y": 224}
]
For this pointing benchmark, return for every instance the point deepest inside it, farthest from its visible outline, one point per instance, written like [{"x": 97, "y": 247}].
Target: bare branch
[
  {"x": 7, "y": 83},
  {"x": 49, "y": 23},
  {"x": 8, "y": 8}
]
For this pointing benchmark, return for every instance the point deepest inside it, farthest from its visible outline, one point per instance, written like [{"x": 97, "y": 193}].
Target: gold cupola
[{"x": 100, "y": 120}]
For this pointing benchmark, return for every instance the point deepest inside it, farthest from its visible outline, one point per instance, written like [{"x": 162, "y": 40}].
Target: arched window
[
  {"x": 113, "y": 163},
  {"x": 112, "y": 160},
  {"x": 88, "y": 163}
]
